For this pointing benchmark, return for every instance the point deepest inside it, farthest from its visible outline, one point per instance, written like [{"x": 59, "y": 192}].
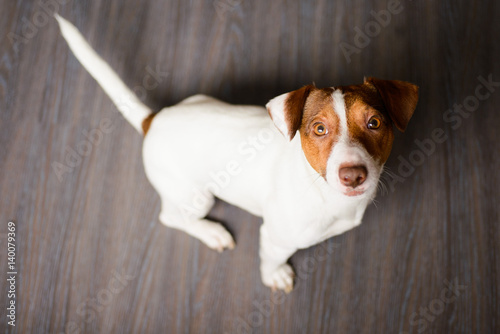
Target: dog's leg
[
  {"x": 191, "y": 221},
  {"x": 275, "y": 272}
]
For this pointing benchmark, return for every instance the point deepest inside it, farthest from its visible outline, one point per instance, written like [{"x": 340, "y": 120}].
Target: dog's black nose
[{"x": 352, "y": 176}]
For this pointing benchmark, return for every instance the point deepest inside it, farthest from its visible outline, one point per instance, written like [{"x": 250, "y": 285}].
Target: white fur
[
  {"x": 125, "y": 100},
  {"x": 203, "y": 147},
  {"x": 339, "y": 108},
  {"x": 276, "y": 108}
]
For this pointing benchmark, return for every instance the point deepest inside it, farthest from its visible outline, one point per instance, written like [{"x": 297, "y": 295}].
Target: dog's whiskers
[{"x": 382, "y": 185}]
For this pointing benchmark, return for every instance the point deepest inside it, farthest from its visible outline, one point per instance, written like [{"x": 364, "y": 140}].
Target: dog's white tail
[{"x": 125, "y": 100}]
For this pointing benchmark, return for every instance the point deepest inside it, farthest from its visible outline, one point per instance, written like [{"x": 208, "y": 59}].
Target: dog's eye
[
  {"x": 320, "y": 129},
  {"x": 374, "y": 123}
]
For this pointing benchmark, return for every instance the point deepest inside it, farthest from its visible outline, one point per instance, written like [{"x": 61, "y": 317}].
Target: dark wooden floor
[{"x": 91, "y": 255}]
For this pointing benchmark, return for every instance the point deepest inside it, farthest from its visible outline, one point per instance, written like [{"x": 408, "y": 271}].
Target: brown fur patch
[
  {"x": 319, "y": 108},
  {"x": 146, "y": 123},
  {"x": 294, "y": 107},
  {"x": 400, "y": 99},
  {"x": 362, "y": 103}
]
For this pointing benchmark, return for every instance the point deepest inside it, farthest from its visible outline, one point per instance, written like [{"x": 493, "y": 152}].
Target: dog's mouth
[{"x": 352, "y": 192}]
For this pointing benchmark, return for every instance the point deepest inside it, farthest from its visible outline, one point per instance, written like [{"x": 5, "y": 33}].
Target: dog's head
[{"x": 346, "y": 132}]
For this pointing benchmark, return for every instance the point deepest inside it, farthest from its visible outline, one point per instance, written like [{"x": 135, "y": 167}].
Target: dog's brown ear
[
  {"x": 286, "y": 110},
  {"x": 400, "y": 99}
]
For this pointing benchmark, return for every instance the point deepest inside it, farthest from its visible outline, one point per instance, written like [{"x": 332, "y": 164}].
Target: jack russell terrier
[{"x": 309, "y": 170}]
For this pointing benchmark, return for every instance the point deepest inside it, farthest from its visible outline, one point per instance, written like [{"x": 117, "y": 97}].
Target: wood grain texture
[{"x": 91, "y": 254}]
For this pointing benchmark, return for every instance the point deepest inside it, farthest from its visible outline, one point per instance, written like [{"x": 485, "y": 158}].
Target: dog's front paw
[{"x": 279, "y": 279}]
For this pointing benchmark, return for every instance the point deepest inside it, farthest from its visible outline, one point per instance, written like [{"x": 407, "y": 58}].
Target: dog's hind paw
[
  {"x": 212, "y": 234},
  {"x": 280, "y": 279}
]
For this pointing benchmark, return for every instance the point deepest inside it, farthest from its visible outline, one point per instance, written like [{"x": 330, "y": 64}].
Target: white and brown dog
[{"x": 309, "y": 170}]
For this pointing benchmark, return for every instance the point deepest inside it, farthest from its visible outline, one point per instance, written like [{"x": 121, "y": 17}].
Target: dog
[{"x": 309, "y": 165}]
